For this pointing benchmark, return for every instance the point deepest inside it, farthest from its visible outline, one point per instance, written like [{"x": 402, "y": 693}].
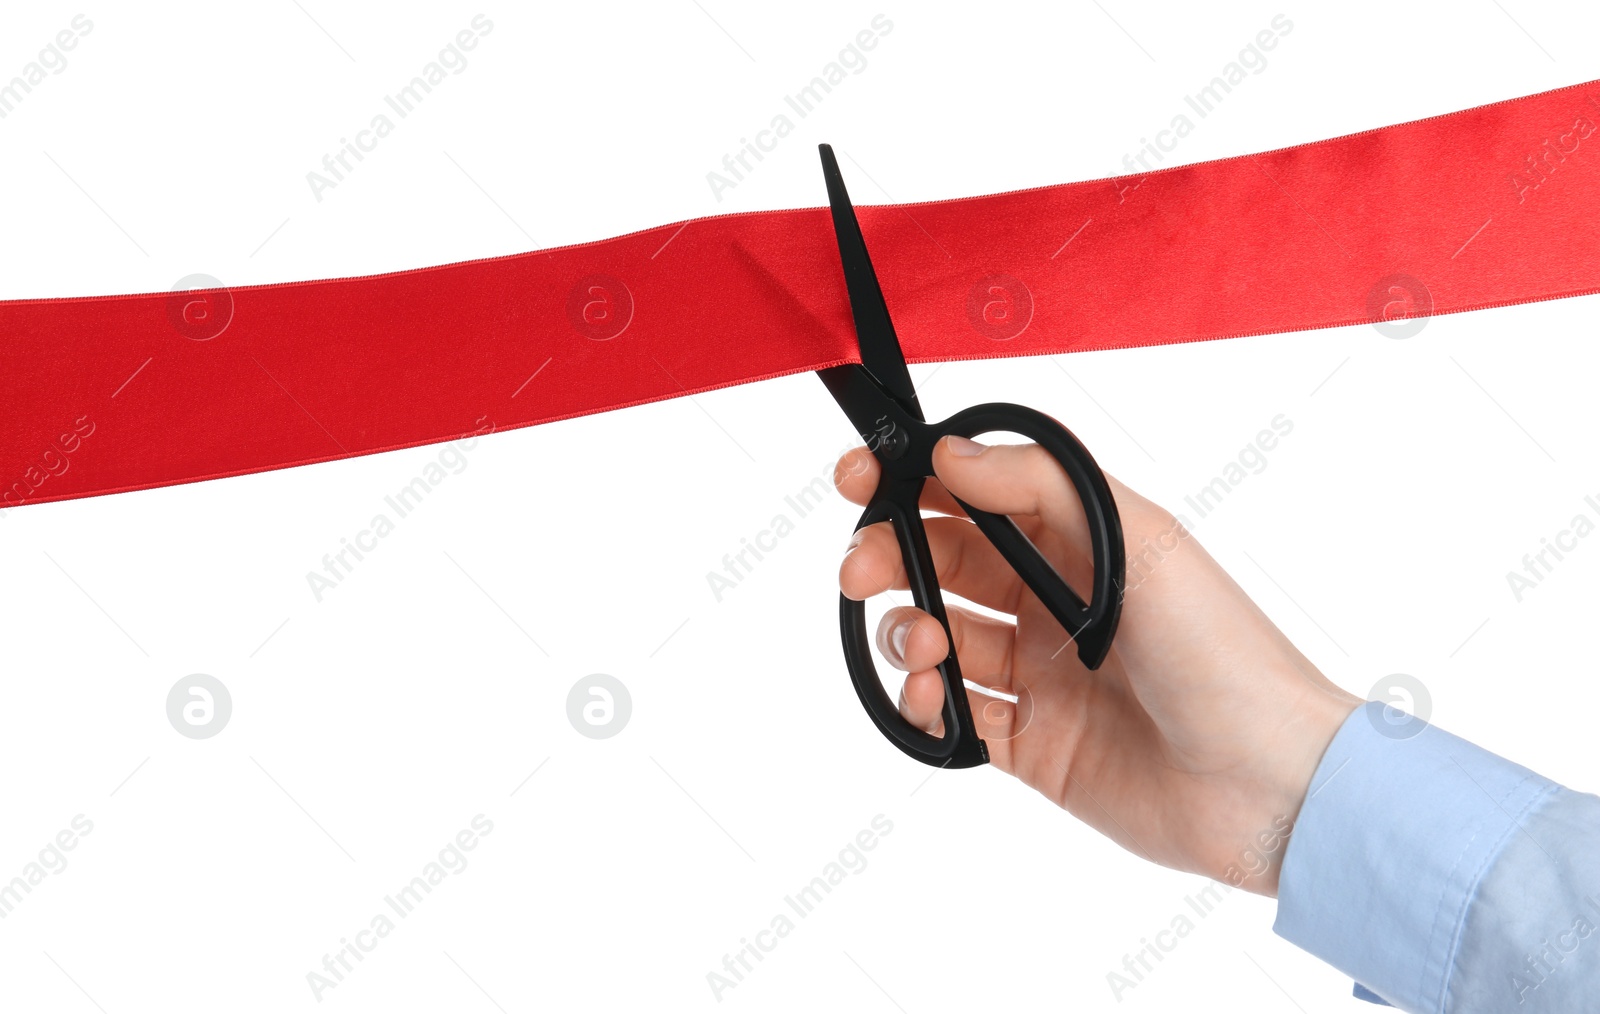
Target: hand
[{"x": 1192, "y": 745}]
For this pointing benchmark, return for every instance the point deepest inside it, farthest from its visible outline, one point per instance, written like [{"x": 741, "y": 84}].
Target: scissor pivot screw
[{"x": 895, "y": 443}]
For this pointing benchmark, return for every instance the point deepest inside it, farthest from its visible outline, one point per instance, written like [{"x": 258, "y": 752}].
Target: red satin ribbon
[{"x": 1486, "y": 207}]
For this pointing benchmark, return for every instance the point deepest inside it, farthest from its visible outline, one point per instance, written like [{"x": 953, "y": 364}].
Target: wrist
[{"x": 1291, "y": 757}]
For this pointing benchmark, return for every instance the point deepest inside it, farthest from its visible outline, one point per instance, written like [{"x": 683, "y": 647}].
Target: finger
[
  {"x": 1023, "y": 479},
  {"x": 1025, "y": 482},
  {"x": 903, "y": 633},
  {"x": 856, "y": 476},
  {"x": 964, "y": 561},
  {"x": 1017, "y": 479},
  {"x": 922, "y": 701},
  {"x": 912, "y": 641},
  {"x": 995, "y": 718}
]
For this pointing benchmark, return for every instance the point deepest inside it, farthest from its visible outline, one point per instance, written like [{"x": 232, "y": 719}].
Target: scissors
[{"x": 881, "y": 402}]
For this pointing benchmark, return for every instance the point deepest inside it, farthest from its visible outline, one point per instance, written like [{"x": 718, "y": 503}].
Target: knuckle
[
  {"x": 1153, "y": 523},
  {"x": 1155, "y": 536},
  {"x": 951, "y": 564},
  {"x": 1044, "y": 474}
]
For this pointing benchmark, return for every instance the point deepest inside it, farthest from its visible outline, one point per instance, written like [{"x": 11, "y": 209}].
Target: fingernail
[
  {"x": 897, "y": 640},
  {"x": 962, "y": 447}
]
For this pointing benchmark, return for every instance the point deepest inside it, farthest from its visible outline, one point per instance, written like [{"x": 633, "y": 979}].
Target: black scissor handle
[
  {"x": 896, "y": 501},
  {"x": 1092, "y": 625}
]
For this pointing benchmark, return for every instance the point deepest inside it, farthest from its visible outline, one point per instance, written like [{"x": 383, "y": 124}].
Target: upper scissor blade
[{"x": 880, "y": 349}]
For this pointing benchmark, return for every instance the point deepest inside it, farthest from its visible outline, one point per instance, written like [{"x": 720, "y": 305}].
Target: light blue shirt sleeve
[{"x": 1442, "y": 878}]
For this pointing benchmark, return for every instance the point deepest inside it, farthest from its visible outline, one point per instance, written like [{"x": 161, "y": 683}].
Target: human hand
[{"x": 1192, "y": 745}]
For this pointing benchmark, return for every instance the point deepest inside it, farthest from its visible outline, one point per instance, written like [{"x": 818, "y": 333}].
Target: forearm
[{"x": 1442, "y": 877}]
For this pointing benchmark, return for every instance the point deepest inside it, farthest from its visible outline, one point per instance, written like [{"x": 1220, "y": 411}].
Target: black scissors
[{"x": 881, "y": 403}]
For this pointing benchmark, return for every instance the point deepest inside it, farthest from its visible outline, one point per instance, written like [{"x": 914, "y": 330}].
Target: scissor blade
[{"x": 880, "y": 349}]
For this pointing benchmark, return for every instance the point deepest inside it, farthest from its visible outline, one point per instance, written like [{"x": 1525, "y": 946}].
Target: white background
[{"x": 369, "y": 728}]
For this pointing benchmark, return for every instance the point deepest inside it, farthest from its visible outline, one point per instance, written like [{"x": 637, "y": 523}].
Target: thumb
[{"x": 1025, "y": 482}]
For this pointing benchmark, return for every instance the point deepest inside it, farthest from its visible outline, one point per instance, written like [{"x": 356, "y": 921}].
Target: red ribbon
[{"x": 1485, "y": 207}]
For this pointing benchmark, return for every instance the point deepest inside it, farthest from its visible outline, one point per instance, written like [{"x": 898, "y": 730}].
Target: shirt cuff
[{"x": 1400, "y": 824}]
